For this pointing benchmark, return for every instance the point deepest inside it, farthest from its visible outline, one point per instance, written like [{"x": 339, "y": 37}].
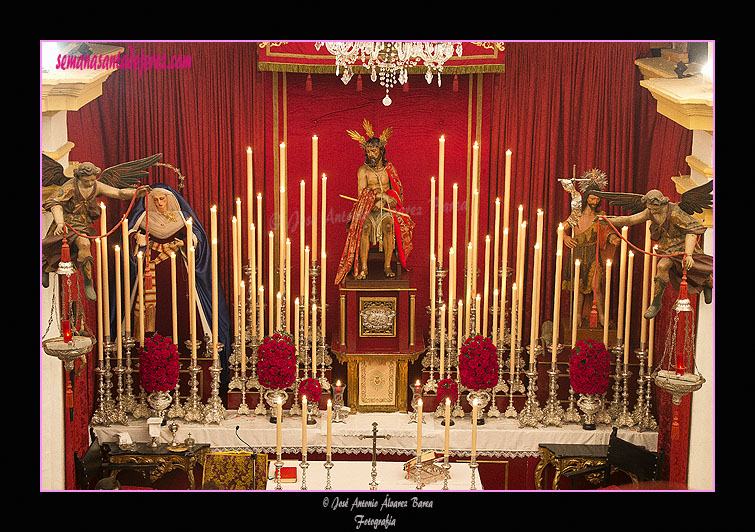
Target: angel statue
[
  {"x": 378, "y": 216},
  {"x": 75, "y": 205},
  {"x": 586, "y": 232},
  {"x": 676, "y": 232}
]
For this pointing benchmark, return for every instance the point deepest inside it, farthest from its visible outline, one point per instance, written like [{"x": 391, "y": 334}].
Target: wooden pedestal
[{"x": 377, "y": 340}]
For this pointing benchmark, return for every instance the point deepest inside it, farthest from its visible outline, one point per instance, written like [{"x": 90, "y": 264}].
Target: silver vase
[
  {"x": 483, "y": 398},
  {"x": 159, "y": 401},
  {"x": 590, "y": 405},
  {"x": 272, "y": 396}
]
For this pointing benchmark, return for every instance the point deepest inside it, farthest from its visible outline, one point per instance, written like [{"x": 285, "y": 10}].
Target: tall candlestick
[
  {"x": 235, "y": 252},
  {"x": 645, "y": 283},
  {"x": 296, "y": 327},
  {"x": 242, "y": 287},
  {"x": 253, "y": 277},
  {"x": 556, "y": 306},
  {"x": 575, "y": 314},
  {"x": 314, "y": 340},
  {"x": 306, "y": 288},
  {"x": 486, "y": 287},
  {"x": 441, "y": 187},
  {"x": 329, "y": 436},
  {"x": 288, "y": 285},
  {"x": 278, "y": 312},
  {"x": 174, "y": 296},
  {"x": 474, "y": 430},
  {"x": 278, "y": 432},
  {"x": 607, "y": 302},
  {"x": 126, "y": 278},
  {"x": 454, "y": 216},
  {"x": 432, "y": 224},
  {"x": 118, "y": 338},
  {"x": 140, "y": 288},
  {"x": 502, "y": 291},
  {"x": 459, "y": 328},
  {"x": 282, "y": 242},
  {"x": 651, "y": 325},
  {"x": 100, "y": 325},
  {"x": 477, "y": 310},
  {"x": 447, "y": 423},
  {"x": 302, "y": 224},
  {"x": 432, "y": 298},
  {"x": 513, "y": 335},
  {"x": 451, "y": 291},
  {"x": 507, "y": 189},
  {"x": 323, "y": 294},
  {"x": 249, "y": 202},
  {"x": 105, "y": 270},
  {"x": 627, "y": 318},
  {"x": 258, "y": 245},
  {"x": 495, "y": 317},
  {"x": 262, "y": 313},
  {"x": 468, "y": 294},
  {"x": 324, "y": 211},
  {"x": 271, "y": 279},
  {"x": 214, "y": 299},
  {"x": 303, "y": 426},
  {"x": 622, "y": 284},
  {"x": 315, "y": 171},
  {"x": 520, "y": 276},
  {"x": 475, "y": 237},
  {"x": 496, "y": 243},
  {"x": 419, "y": 429},
  {"x": 239, "y": 235},
  {"x": 442, "y": 340}
]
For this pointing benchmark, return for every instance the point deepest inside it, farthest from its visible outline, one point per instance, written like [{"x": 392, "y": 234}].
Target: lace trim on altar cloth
[{"x": 380, "y": 451}]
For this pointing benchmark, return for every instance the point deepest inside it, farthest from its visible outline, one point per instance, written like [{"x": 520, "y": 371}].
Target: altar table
[
  {"x": 352, "y": 475},
  {"x": 498, "y": 437}
]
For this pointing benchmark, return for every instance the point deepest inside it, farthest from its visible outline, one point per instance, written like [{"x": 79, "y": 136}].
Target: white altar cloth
[
  {"x": 356, "y": 475},
  {"x": 500, "y": 437}
]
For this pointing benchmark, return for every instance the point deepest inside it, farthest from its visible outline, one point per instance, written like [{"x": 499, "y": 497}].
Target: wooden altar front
[{"x": 377, "y": 340}]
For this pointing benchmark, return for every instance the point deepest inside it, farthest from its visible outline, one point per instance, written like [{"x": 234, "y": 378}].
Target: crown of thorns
[{"x": 383, "y": 138}]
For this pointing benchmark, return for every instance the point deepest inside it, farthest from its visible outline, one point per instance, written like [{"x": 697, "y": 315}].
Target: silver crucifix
[{"x": 374, "y": 436}]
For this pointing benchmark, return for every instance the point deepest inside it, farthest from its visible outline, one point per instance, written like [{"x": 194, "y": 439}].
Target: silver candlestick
[{"x": 328, "y": 466}]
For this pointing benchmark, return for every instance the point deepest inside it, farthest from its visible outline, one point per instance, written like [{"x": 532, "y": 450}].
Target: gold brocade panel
[{"x": 235, "y": 471}]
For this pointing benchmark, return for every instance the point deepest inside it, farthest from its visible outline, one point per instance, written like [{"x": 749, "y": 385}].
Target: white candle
[
  {"x": 243, "y": 329},
  {"x": 432, "y": 298},
  {"x": 502, "y": 291},
  {"x": 235, "y": 251},
  {"x": 496, "y": 244},
  {"x": 105, "y": 270},
  {"x": 323, "y": 293},
  {"x": 262, "y": 312},
  {"x": 296, "y": 326},
  {"x": 513, "y": 335},
  {"x": 627, "y": 318},
  {"x": 645, "y": 283},
  {"x": 607, "y": 302},
  {"x": 507, "y": 189},
  {"x": 441, "y": 187},
  {"x": 140, "y": 273},
  {"x": 174, "y": 296},
  {"x": 324, "y": 212},
  {"x": 419, "y": 429},
  {"x": 315, "y": 163},
  {"x": 249, "y": 202},
  {"x": 454, "y": 215},
  {"x": 651, "y": 325},
  {"x": 258, "y": 245},
  {"x": 495, "y": 317},
  {"x": 468, "y": 293},
  {"x": 442, "y": 340},
  {"x": 214, "y": 299},
  {"x": 451, "y": 290},
  {"x": 306, "y": 288},
  {"x": 432, "y": 223},
  {"x": 477, "y": 314},
  {"x": 278, "y": 313},
  {"x": 271, "y": 278},
  {"x": 100, "y": 325},
  {"x": 575, "y": 314},
  {"x": 302, "y": 224},
  {"x": 253, "y": 278},
  {"x": 486, "y": 288},
  {"x": 329, "y": 438},
  {"x": 314, "y": 340},
  {"x": 622, "y": 284},
  {"x": 118, "y": 340},
  {"x": 303, "y": 427},
  {"x": 557, "y": 304},
  {"x": 126, "y": 279},
  {"x": 288, "y": 285}
]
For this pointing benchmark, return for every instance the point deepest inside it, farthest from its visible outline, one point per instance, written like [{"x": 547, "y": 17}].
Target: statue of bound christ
[{"x": 378, "y": 216}]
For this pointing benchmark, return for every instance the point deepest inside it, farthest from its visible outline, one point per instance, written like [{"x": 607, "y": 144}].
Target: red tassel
[
  {"x": 309, "y": 83},
  {"x": 65, "y": 251},
  {"x": 69, "y": 395},
  {"x": 359, "y": 83}
]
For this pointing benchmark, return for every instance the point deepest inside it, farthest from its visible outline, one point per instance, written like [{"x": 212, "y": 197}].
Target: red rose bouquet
[
  {"x": 589, "y": 367},
  {"x": 311, "y": 388},
  {"x": 276, "y": 361},
  {"x": 158, "y": 364},
  {"x": 478, "y": 363},
  {"x": 447, "y": 388}
]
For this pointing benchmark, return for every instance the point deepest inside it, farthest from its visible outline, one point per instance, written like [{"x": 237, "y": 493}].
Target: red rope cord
[
  {"x": 682, "y": 253},
  {"x": 131, "y": 205}
]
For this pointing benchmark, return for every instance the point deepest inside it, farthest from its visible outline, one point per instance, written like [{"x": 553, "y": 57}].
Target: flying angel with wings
[
  {"x": 74, "y": 205},
  {"x": 676, "y": 232}
]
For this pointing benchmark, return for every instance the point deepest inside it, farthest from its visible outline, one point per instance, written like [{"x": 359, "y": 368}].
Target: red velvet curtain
[{"x": 556, "y": 106}]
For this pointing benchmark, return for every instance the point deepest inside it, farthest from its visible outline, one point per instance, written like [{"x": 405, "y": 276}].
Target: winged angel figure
[
  {"x": 676, "y": 232},
  {"x": 75, "y": 205}
]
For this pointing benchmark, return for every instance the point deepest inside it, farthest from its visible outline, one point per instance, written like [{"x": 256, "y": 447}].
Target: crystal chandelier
[{"x": 388, "y": 62}]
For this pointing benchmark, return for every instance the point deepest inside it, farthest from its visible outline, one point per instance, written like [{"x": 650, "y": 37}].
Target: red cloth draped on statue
[{"x": 403, "y": 225}]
